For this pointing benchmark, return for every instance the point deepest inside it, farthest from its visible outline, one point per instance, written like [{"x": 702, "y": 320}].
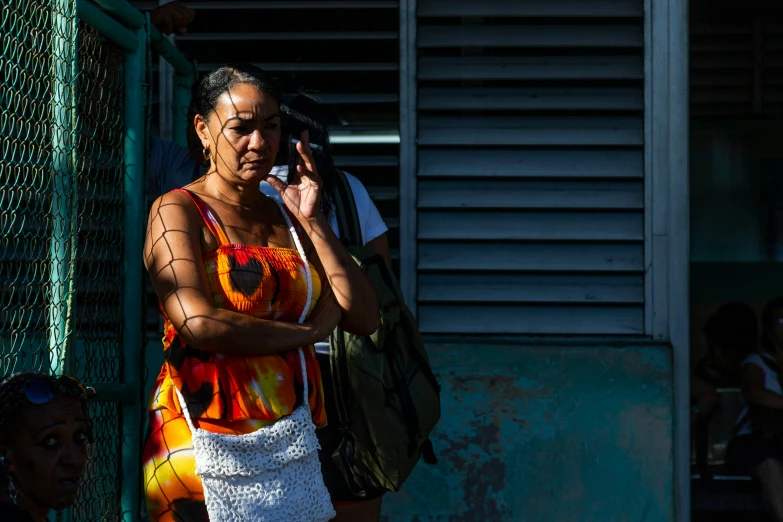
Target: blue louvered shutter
[{"x": 530, "y": 170}]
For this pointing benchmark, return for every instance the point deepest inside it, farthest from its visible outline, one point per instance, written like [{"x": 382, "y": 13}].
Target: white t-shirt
[
  {"x": 771, "y": 383},
  {"x": 370, "y": 219}
]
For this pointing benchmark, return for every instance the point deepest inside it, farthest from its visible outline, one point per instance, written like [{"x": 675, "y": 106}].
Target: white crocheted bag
[{"x": 272, "y": 474}]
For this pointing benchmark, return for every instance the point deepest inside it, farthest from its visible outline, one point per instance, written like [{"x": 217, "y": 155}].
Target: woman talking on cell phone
[{"x": 247, "y": 285}]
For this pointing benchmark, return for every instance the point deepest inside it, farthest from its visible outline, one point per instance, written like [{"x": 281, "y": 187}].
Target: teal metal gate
[{"x": 74, "y": 128}]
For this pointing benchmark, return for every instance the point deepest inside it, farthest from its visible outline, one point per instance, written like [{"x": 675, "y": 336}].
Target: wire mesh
[
  {"x": 96, "y": 354},
  {"x": 34, "y": 253},
  {"x": 61, "y": 216}
]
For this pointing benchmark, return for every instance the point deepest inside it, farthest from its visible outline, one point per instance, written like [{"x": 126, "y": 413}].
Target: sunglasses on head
[{"x": 39, "y": 390}]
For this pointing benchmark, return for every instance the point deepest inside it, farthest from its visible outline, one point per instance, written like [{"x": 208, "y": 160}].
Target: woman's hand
[
  {"x": 325, "y": 317},
  {"x": 302, "y": 194}
]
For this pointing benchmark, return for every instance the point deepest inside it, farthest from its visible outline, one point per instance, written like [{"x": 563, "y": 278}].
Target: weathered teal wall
[{"x": 547, "y": 433}]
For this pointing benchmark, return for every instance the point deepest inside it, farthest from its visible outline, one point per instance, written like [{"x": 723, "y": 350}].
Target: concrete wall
[{"x": 547, "y": 433}]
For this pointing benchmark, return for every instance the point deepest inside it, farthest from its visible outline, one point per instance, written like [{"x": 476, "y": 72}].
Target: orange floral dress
[{"x": 226, "y": 393}]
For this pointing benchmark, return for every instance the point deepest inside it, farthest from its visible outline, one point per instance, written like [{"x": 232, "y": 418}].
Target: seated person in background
[
  {"x": 731, "y": 334},
  {"x": 757, "y": 446},
  {"x": 44, "y": 431}
]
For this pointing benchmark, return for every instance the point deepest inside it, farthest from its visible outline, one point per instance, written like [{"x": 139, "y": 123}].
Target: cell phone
[{"x": 313, "y": 146}]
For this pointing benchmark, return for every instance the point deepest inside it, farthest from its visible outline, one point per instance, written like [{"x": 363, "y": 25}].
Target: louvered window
[{"x": 530, "y": 167}]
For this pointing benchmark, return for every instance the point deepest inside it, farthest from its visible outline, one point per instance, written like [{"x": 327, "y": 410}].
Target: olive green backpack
[{"x": 387, "y": 397}]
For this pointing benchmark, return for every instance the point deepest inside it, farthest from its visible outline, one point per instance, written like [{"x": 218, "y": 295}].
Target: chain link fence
[
  {"x": 98, "y": 307},
  {"x": 62, "y": 217}
]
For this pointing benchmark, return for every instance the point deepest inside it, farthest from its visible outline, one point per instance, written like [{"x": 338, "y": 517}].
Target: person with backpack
[
  {"x": 371, "y": 441},
  {"x": 756, "y": 448}
]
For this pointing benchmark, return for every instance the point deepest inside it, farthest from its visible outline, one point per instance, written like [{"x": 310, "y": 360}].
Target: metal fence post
[
  {"x": 133, "y": 338},
  {"x": 63, "y": 140}
]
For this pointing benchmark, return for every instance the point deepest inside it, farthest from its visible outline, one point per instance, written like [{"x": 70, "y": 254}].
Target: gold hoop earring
[{"x": 206, "y": 153}]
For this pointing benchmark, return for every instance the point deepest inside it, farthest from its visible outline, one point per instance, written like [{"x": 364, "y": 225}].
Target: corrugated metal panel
[
  {"x": 532, "y": 194},
  {"x": 591, "y": 67},
  {"x": 534, "y": 226},
  {"x": 531, "y": 167},
  {"x": 531, "y": 163},
  {"x": 531, "y": 256},
  {"x": 541, "y": 99},
  {"x": 554, "y": 131},
  {"x": 550, "y": 36},
  {"x": 537, "y": 319},
  {"x": 533, "y": 8},
  {"x": 532, "y": 288}
]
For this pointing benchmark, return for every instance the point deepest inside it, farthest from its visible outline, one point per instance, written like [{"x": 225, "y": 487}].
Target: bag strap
[
  {"x": 308, "y": 300},
  {"x": 351, "y": 234},
  {"x": 185, "y": 411},
  {"x": 300, "y": 249},
  {"x": 345, "y": 210},
  {"x": 305, "y": 310},
  {"x": 209, "y": 218}
]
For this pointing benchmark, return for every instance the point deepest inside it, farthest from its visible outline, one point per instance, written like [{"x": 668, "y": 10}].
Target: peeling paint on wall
[{"x": 544, "y": 433}]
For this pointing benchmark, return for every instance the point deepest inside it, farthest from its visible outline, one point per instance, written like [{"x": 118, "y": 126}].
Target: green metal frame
[
  {"x": 121, "y": 23},
  {"x": 64, "y": 239},
  {"x": 62, "y": 246},
  {"x": 133, "y": 302}
]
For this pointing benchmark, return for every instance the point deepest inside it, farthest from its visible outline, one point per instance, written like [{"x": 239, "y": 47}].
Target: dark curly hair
[{"x": 14, "y": 401}]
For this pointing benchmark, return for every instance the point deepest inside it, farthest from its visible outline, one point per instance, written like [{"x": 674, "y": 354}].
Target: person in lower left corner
[{"x": 44, "y": 432}]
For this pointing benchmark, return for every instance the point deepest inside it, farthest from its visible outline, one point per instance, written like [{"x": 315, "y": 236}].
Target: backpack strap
[
  {"x": 351, "y": 233},
  {"x": 345, "y": 210}
]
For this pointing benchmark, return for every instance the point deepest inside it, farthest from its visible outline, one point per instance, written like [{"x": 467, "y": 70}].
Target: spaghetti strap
[{"x": 209, "y": 218}]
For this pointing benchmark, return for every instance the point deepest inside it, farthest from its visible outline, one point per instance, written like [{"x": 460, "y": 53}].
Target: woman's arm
[
  {"x": 381, "y": 245},
  {"x": 172, "y": 256},
  {"x": 754, "y": 391},
  {"x": 352, "y": 288}
]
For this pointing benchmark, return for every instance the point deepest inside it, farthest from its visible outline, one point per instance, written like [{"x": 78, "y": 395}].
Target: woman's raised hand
[{"x": 302, "y": 194}]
